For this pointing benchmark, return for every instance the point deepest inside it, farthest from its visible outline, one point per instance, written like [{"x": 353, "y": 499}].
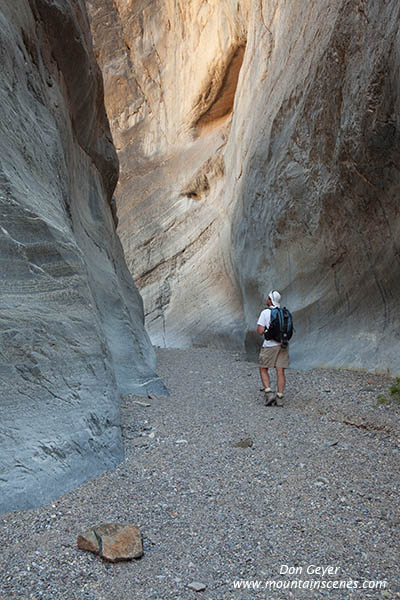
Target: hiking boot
[
  {"x": 279, "y": 399},
  {"x": 269, "y": 396}
]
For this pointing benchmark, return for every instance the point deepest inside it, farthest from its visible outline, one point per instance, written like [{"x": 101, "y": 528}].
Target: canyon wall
[
  {"x": 317, "y": 203},
  {"x": 71, "y": 323},
  {"x": 259, "y": 148},
  {"x": 170, "y": 74}
]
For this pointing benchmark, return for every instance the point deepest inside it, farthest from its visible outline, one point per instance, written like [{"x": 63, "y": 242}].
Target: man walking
[{"x": 272, "y": 354}]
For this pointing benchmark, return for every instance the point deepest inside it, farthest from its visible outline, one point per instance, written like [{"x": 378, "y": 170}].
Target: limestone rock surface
[
  {"x": 317, "y": 205},
  {"x": 259, "y": 147},
  {"x": 71, "y": 323},
  {"x": 170, "y": 74}
]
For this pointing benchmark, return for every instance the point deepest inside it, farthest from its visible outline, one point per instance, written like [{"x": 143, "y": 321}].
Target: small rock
[
  {"x": 181, "y": 442},
  {"x": 151, "y": 540},
  {"x": 152, "y": 435},
  {"x": 331, "y": 443},
  {"x": 321, "y": 481},
  {"x": 113, "y": 541},
  {"x": 197, "y": 586},
  {"x": 145, "y": 404},
  {"x": 246, "y": 443}
]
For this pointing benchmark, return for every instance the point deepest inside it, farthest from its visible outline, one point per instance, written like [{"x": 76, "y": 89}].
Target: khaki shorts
[{"x": 274, "y": 356}]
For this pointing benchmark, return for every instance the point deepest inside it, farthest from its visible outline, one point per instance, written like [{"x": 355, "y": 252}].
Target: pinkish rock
[{"x": 113, "y": 541}]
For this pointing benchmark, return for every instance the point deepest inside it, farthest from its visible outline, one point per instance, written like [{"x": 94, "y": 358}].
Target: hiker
[{"x": 273, "y": 353}]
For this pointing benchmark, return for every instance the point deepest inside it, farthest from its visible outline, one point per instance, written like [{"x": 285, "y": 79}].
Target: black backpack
[{"x": 280, "y": 327}]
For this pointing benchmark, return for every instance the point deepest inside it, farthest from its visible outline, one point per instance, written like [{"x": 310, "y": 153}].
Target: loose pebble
[{"x": 197, "y": 586}]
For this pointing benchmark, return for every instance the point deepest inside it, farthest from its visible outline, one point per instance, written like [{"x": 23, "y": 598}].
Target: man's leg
[
  {"x": 265, "y": 377},
  {"x": 268, "y": 393},
  {"x": 281, "y": 379}
]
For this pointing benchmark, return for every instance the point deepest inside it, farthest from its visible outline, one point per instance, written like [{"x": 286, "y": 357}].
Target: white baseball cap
[{"x": 275, "y": 298}]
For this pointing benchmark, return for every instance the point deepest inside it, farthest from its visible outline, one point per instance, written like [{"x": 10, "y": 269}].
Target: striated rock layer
[
  {"x": 71, "y": 324},
  {"x": 171, "y": 70},
  {"x": 259, "y": 147},
  {"x": 317, "y": 206}
]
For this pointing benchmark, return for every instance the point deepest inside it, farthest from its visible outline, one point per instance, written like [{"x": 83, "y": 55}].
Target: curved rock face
[
  {"x": 171, "y": 70},
  {"x": 72, "y": 336},
  {"x": 317, "y": 212},
  {"x": 259, "y": 146}
]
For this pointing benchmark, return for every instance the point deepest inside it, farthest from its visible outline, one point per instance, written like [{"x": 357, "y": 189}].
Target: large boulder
[
  {"x": 259, "y": 148},
  {"x": 71, "y": 323}
]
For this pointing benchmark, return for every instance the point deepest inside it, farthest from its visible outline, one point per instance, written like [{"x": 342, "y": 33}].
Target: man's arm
[{"x": 263, "y": 321}]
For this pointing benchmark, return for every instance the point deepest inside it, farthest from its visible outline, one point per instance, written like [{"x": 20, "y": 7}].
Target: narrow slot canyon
[
  {"x": 247, "y": 164},
  {"x": 165, "y": 167}
]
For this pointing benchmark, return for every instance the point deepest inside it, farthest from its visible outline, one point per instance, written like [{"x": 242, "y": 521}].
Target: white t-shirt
[{"x": 264, "y": 320}]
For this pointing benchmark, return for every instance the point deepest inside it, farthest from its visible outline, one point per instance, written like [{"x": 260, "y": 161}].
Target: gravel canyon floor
[{"x": 312, "y": 484}]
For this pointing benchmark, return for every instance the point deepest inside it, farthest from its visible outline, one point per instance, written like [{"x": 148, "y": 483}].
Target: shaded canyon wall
[
  {"x": 71, "y": 323},
  {"x": 259, "y": 148},
  {"x": 318, "y": 201}
]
